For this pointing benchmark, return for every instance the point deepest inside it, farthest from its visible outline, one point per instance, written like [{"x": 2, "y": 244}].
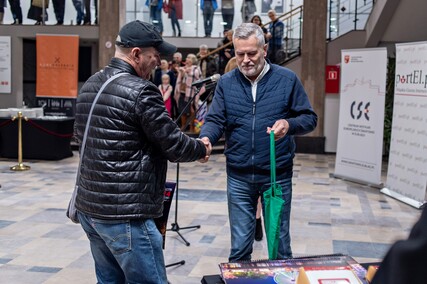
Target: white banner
[
  {"x": 5, "y": 65},
  {"x": 407, "y": 168},
  {"x": 361, "y": 120}
]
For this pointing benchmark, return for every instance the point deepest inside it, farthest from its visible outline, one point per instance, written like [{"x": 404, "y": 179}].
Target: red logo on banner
[{"x": 346, "y": 58}]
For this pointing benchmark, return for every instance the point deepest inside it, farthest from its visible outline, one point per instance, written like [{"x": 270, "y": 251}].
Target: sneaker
[{"x": 258, "y": 230}]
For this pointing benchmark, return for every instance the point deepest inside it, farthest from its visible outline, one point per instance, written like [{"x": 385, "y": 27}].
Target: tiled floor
[{"x": 38, "y": 244}]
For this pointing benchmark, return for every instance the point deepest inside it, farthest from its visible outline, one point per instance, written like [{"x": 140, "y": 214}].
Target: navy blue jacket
[{"x": 280, "y": 95}]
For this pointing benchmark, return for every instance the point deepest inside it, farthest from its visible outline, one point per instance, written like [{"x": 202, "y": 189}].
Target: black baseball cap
[{"x": 141, "y": 34}]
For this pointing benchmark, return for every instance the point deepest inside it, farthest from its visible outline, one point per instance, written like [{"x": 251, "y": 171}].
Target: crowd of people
[
  {"x": 38, "y": 11},
  {"x": 180, "y": 75}
]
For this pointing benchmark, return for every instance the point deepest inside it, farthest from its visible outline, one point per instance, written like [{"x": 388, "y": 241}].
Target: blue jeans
[
  {"x": 208, "y": 13},
  {"x": 78, "y": 5},
  {"x": 125, "y": 251},
  {"x": 156, "y": 18},
  {"x": 242, "y": 205}
]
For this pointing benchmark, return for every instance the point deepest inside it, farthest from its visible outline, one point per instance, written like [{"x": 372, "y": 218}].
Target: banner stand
[
  {"x": 403, "y": 198},
  {"x": 359, "y": 181},
  {"x": 361, "y": 115}
]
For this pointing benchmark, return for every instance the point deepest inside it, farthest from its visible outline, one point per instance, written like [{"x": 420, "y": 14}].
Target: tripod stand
[{"x": 175, "y": 226}]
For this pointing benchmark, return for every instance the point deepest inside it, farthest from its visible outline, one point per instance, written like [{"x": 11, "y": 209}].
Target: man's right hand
[{"x": 208, "y": 146}]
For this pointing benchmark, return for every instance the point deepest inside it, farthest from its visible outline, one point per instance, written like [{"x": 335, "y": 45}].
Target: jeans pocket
[{"x": 115, "y": 233}]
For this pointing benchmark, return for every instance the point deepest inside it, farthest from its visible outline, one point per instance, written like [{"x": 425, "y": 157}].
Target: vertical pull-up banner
[
  {"x": 407, "y": 168},
  {"x": 57, "y": 73},
  {"x": 361, "y": 119}
]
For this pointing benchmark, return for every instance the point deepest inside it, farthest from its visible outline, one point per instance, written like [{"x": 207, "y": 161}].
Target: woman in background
[
  {"x": 184, "y": 92},
  {"x": 36, "y": 12}
]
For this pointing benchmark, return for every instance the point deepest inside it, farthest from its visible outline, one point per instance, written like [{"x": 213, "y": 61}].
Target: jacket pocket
[{"x": 115, "y": 233}]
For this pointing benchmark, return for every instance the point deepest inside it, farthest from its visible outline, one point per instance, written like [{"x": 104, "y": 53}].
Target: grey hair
[
  {"x": 203, "y": 46},
  {"x": 245, "y": 30}
]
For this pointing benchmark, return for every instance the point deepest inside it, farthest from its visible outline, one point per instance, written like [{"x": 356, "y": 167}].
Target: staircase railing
[
  {"x": 293, "y": 35},
  {"x": 347, "y": 15}
]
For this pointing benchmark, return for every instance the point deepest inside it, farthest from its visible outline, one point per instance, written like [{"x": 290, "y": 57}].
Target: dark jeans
[
  {"x": 174, "y": 21},
  {"x": 228, "y": 17},
  {"x": 156, "y": 18},
  {"x": 208, "y": 13},
  {"x": 79, "y": 9},
  {"x": 15, "y": 8},
  {"x": 242, "y": 205},
  {"x": 87, "y": 19},
  {"x": 275, "y": 53},
  {"x": 125, "y": 251},
  {"x": 59, "y": 8}
]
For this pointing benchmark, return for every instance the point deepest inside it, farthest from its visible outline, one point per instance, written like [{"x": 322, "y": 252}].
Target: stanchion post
[{"x": 20, "y": 166}]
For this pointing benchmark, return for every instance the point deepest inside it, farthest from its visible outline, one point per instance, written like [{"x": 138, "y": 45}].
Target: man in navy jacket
[{"x": 249, "y": 102}]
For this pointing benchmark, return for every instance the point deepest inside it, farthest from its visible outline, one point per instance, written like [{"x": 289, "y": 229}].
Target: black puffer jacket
[{"x": 130, "y": 139}]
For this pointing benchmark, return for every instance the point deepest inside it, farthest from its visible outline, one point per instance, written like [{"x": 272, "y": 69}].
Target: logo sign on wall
[
  {"x": 57, "y": 73},
  {"x": 361, "y": 119},
  {"x": 5, "y": 65},
  {"x": 407, "y": 168}
]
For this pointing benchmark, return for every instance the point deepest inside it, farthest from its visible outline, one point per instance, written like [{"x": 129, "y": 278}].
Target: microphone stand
[{"x": 175, "y": 226}]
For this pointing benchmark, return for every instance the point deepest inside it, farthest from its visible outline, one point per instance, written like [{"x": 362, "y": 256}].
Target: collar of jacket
[{"x": 122, "y": 65}]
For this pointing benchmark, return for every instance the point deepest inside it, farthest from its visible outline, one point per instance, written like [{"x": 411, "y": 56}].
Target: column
[
  {"x": 111, "y": 16},
  {"x": 313, "y": 56}
]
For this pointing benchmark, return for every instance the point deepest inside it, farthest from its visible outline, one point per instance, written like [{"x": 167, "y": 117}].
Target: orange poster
[{"x": 57, "y": 65}]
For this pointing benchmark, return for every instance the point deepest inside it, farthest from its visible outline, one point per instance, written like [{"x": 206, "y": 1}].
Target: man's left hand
[{"x": 280, "y": 129}]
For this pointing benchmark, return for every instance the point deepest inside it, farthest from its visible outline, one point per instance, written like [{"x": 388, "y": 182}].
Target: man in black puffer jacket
[{"x": 123, "y": 168}]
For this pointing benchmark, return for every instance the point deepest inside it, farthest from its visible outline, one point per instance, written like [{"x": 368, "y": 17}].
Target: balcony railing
[{"x": 347, "y": 15}]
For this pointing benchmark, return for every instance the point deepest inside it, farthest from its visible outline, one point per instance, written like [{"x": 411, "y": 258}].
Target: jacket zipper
[{"x": 253, "y": 142}]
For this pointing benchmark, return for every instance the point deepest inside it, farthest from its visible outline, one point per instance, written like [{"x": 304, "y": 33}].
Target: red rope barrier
[
  {"x": 7, "y": 122},
  {"x": 48, "y": 131}
]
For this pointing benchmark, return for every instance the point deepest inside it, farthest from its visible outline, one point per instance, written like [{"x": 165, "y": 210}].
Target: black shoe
[
  {"x": 179, "y": 34},
  {"x": 258, "y": 230}
]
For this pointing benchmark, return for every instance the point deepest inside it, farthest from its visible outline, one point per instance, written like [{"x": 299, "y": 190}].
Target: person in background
[
  {"x": 78, "y": 5},
  {"x": 15, "y": 9},
  {"x": 405, "y": 262},
  {"x": 208, "y": 7},
  {"x": 36, "y": 13},
  {"x": 88, "y": 17},
  {"x": 156, "y": 13},
  {"x": 248, "y": 10},
  {"x": 122, "y": 177},
  {"x": 164, "y": 69},
  {"x": 264, "y": 97},
  {"x": 59, "y": 9},
  {"x": 177, "y": 57},
  {"x": 2, "y": 5},
  {"x": 175, "y": 13},
  {"x": 184, "y": 92},
  {"x": 227, "y": 10},
  {"x": 257, "y": 21},
  {"x": 275, "y": 37},
  {"x": 230, "y": 65},
  {"x": 225, "y": 54},
  {"x": 166, "y": 90},
  {"x": 206, "y": 62}
]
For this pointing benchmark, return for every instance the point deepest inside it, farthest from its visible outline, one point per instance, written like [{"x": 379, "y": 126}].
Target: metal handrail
[
  {"x": 344, "y": 13},
  {"x": 286, "y": 16}
]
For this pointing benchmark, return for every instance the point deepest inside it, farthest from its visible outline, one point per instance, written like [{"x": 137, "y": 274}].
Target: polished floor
[{"x": 38, "y": 244}]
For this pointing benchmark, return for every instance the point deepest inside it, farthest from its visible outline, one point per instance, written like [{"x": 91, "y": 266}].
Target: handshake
[{"x": 208, "y": 146}]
